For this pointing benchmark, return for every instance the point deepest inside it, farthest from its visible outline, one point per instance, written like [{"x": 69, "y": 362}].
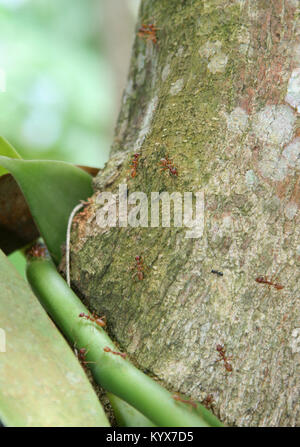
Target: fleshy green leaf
[
  {"x": 52, "y": 189},
  {"x": 41, "y": 381},
  {"x": 126, "y": 415},
  {"x": 7, "y": 150}
]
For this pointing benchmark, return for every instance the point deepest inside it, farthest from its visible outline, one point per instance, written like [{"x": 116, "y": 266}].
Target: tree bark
[{"x": 219, "y": 94}]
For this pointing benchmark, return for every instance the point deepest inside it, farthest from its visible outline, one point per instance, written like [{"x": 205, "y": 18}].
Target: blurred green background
[{"x": 65, "y": 65}]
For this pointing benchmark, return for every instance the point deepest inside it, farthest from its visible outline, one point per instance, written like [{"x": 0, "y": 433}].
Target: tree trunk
[{"x": 219, "y": 94}]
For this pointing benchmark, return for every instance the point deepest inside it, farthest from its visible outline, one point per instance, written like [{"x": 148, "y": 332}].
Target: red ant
[
  {"x": 83, "y": 214},
  {"x": 168, "y": 164},
  {"x": 81, "y": 354},
  {"x": 121, "y": 354},
  {"x": 134, "y": 164},
  {"x": 140, "y": 268},
  {"x": 221, "y": 350},
  {"x": 95, "y": 319},
  {"x": 208, "y": 401},
  {"x": 185, "y": 401},
  {"x": 148, "y": 31},
  {"x": 264, "y": 280},
  {"x": 37, "y": 251}
]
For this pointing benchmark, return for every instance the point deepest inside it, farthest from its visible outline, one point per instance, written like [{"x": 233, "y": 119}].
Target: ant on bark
[
  {"x": 264, "y": 280},
  {"x": 140, "y": 266},
  {"x": 167, "y": 164},
  {"x": 216, "y": 272},
  {"x": 148, "y": 32},
  {"x": 221, "y": 350},
  {"x": 121, "y": 354},
  {"x": 208, "y": 402},
  {"x": 95, "y": 319},
  {"x": 134, "y": 164},
  {"x": 83, "y": 214}
]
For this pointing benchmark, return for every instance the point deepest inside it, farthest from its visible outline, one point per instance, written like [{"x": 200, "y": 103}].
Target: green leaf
[
  {"x": 7, "y": 150},
  {"x": 41, "y": 381},
  {"x": 52, "y": 189},
  {"x": 18, "y": 260},
  {"x": 126, "y": 415}
]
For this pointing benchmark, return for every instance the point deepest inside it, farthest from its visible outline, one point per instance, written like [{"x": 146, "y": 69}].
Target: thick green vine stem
[{"x": 114, "y": 373}]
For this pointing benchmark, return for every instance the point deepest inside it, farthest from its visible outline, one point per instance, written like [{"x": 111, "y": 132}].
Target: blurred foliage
[{"x": 59, "y": 94}]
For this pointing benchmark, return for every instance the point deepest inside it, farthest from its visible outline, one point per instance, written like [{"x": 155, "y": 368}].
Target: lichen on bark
[{"x": 211, "y": 94}]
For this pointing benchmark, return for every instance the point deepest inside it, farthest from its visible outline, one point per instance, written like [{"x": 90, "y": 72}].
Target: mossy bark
[{"x": 218, "y": 95}]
